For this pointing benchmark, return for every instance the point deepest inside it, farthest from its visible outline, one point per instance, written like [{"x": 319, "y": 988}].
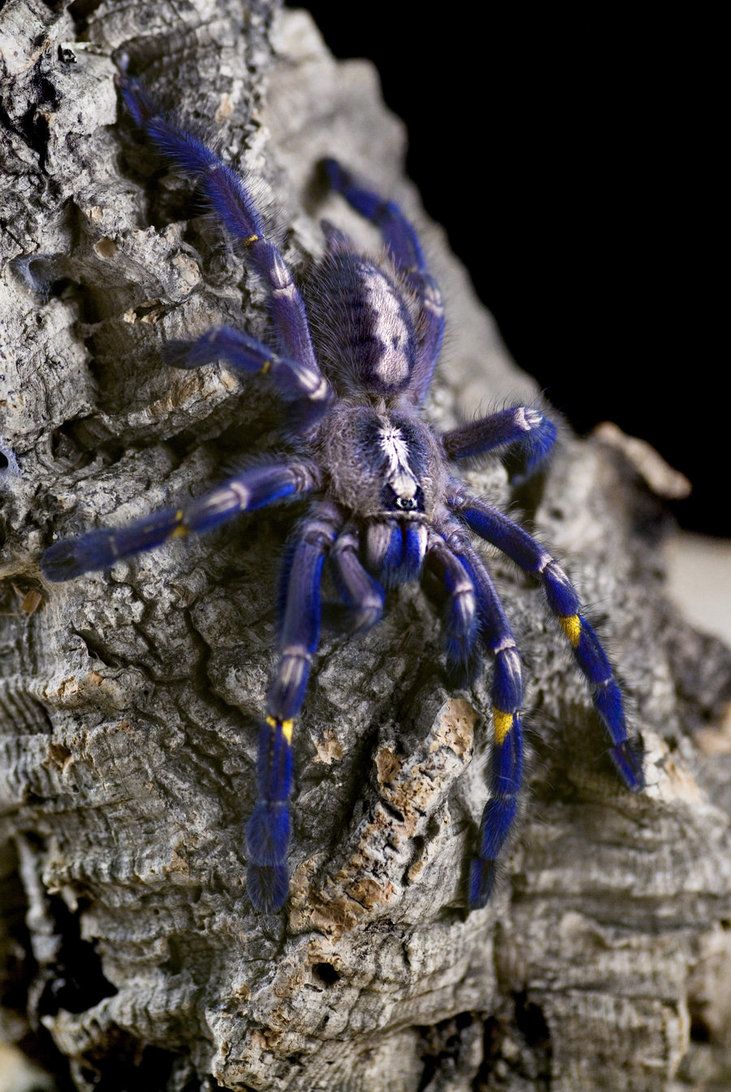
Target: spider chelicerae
[{"x": 385, "y": 504}]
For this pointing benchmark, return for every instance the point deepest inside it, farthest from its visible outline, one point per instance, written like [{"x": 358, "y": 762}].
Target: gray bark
[{"x": 129, "y": 699}]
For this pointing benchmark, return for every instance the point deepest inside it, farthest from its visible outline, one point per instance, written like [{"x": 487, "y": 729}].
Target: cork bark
[{"x": 129, "y": 699}]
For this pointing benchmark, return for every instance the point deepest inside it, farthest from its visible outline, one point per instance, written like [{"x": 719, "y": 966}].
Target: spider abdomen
[{"x": 366, "y": 333}]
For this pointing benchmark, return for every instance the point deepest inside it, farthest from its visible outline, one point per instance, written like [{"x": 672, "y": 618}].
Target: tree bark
[{"x": 129, "y": 699}]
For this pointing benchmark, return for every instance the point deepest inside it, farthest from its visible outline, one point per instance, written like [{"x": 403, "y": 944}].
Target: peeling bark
[{"x": 129, "y": 699}]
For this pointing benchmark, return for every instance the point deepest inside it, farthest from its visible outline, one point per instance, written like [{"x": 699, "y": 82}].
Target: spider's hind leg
[
  {"x": 268, "y": 828},
  {"x": 291, "y": 379},
  {"x": 235, "y": 208},
  {"x": 399, "y": 234}
]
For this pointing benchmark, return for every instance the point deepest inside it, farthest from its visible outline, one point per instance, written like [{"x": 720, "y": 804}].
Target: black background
[{"x": 575, "y": 161}]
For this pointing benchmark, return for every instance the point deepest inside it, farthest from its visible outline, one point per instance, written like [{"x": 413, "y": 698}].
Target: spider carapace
[{"x": 354, "y": 363}]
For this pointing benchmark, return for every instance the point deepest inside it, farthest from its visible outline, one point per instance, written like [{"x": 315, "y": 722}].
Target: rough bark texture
[{"x": 129, "y": 699}]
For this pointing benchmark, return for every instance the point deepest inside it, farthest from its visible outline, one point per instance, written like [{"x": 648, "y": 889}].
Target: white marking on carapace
[
  {"x": 390, "y": 327},
  {"x": 399, "y": 475}
]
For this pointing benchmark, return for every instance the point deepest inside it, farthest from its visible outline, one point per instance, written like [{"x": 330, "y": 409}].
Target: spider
[{"x": 386, "y": 506}]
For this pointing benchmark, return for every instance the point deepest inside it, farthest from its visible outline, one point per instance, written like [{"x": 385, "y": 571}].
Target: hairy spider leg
[
  {"x": 291, "y": 379},
  {"x": 530, "y": 556},
  {"x": 402, "y": 240},
  {"x": 360, "y": 592},
  {"x": 460, "y": 607},
  {"x": 395, "y": 550},
  {"x": 399, "y": 234},
  {"x": 521, "y": 427},
  {"x": 245, "y": 492},
  {"x": 506, "y": 760},
  {"x": 234, "y": 206},
  {"x": 337, "y": 240},
  {"x": 268, "y": 829}
]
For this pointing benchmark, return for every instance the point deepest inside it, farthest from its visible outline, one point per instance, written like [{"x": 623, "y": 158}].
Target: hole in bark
[
  {"x": 127, "y": 1067},
  {"x": 80, "y": 10},
  {"x": 441, "y": 1050},
  {"x": 700, "y": 1032},
  {"x": 76, "y": 981},
  {"x": 531, "y": 1021},
  {"x": 34, "y": 126},
  {"x": 326, "y": 973},
  {"x": 4, "y": 461},
  {"x": 392, "y": 811}
]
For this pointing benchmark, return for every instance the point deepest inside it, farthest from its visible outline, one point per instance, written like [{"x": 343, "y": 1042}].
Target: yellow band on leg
[
  {"x": 571, "y": 625},
  {"x": 503, "y": 722},
  {"x": 287, "y": 727},
  {"x": 180, "y": 531}
]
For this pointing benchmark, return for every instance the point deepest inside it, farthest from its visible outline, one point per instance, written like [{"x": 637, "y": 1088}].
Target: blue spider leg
[
  {"x": 506, "y": 760},
  {"x": 519, "y": 426},
  {"x": 460, "y": 610},
  {"x": 593, "y": 661},
  {"x": 245, "y": 492},
  {"x": 268, "y": 828},
  {"x": 233, "y": 204},
  {"x": 361, "y": 593},
  {"x": 429, "y": 334},
  {"x": 395, "y": 550},
  {"x": 292, "y": 379},
  {"x": 399, "y": 234},
  {"x": 337, "y": 240},
  {"x": 402, "y": 240}
]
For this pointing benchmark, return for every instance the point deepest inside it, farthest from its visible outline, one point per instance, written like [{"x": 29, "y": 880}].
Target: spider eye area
[{"x": 394, "y": 501}]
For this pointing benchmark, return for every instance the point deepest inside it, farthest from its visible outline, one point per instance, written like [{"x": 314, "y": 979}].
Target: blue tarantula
[{"x": 385, "y": 505}]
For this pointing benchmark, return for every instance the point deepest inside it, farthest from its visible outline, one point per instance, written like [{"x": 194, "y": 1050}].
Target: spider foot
[
  {"x": 481, "y": 883},
  {"x": 628, "y": 759},
  {"x": 101, "y": 549},
  {"x": 267, "y": 886},
  {"x": 73, "y": 556}
]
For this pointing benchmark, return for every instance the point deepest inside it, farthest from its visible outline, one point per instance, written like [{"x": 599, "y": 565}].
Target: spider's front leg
[
  {"x": 520, "y": 427},
  {"x": 481, "y": 612},
  {"x": 247, "y": 491},
  {"x": 529, "y": 555},
  {"x": 268, "y": 829},
  {"x": 460, "y": 609},
  {"x": 362, "y": 594}
]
